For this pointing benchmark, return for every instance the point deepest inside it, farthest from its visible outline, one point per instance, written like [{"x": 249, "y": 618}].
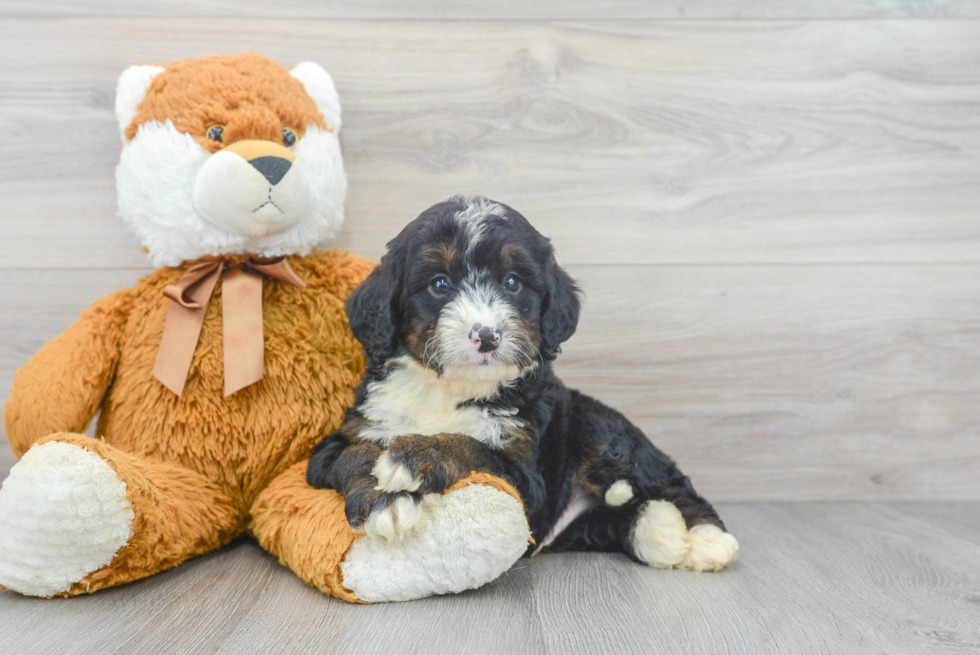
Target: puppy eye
[
  {"x": 512, "y": 283},
  {"x": 289, "y": 137},
  {"x": 216, "y": 132},
  {"x": 439, "y": 285}
]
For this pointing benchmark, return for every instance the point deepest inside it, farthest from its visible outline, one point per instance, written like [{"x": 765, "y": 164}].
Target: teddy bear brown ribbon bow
[{"x": 241, "y": 308}]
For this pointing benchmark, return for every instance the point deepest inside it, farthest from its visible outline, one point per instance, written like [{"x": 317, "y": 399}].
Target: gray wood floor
[
  {"x": 773, "y": 209},
  {"x": 817, "y": 578}
]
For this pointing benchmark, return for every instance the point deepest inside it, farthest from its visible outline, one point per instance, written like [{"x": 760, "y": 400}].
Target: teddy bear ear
[
  {"x": 319, "y": 85},
  {"x": 130, "y": 91}
]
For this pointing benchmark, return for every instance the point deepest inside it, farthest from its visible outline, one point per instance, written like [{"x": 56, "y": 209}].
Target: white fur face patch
[
  {"x": 456, "y": 348},
  {"x": 185, "y": 203},
  {"x": 412, "y": 399}
]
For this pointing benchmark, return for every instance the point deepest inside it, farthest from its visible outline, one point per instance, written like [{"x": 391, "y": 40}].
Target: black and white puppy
[{"x": 460, "y": 324}]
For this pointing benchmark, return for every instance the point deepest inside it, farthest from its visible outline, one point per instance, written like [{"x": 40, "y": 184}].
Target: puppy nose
[
  {"x": 487, "y": 337},
  {"x": 272, "y": 168}
]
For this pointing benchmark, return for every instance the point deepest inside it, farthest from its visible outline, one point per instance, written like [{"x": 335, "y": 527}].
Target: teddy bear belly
[{"x": 240, "y": 442}]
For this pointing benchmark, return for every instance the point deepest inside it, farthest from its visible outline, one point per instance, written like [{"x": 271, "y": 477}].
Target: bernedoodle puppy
[{"x": 460, "y": 324}]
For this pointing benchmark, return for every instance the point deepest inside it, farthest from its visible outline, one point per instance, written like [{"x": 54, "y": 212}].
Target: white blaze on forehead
[
  {"x": 477, "y": 302},
  {"x": 474, "y": 218}
]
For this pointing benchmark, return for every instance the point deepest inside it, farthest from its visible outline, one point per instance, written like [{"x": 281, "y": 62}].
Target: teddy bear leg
[
  {"x": 306, "y": 529},
  {"x": 80, "y": 515},
  {"x": 470, "y": 535}
]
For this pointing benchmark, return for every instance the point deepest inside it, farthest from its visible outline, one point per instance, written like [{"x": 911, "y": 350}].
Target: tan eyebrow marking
[
  {"x": 441, "y": 254},
  {"x": 513, "y": 255}
]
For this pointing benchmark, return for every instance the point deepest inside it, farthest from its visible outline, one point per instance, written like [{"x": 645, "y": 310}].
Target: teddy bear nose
[{"x": 272, "y": 168}]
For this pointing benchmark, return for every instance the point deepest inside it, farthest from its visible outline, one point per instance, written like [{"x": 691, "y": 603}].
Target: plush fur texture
[
  {"x": 461, "y": 322},
  {"x": 200, "y": 460}
]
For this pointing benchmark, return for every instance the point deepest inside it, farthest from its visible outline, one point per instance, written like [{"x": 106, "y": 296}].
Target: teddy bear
[{"x": 215, "y": 375}]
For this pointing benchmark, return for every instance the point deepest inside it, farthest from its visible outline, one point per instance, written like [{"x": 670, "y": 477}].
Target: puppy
[{"x": 460, "y": 324}]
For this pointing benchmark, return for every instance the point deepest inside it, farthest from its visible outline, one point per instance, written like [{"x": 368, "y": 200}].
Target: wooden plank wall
[{"x": 774, "y": 207}]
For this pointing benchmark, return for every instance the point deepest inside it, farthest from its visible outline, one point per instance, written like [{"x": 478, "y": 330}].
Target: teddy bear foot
[
  {"x": 470, "y": 536},
  {"x": 65, "y": 514}
]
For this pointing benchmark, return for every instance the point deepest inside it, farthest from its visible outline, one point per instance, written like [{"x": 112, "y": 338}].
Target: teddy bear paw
[
  {"x": 64, "y": 514},
  {"x": 471, "y": 536}
]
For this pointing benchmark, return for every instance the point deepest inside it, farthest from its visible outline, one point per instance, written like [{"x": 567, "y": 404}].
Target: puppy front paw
[
  {"x": 416, "y": 465},
  {"x": 401, "y": 518},
  {"x": 392, "y": 516},
  {"x": 393, "y": 476}
]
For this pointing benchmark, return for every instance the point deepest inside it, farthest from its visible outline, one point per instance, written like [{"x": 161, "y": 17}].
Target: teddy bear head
[{"x": 229, "y": 155}]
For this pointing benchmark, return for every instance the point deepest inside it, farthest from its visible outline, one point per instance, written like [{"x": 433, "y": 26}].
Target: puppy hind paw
[
  {"x": 661, "y": 539},
  {"x": 711, "y": 549},
  {"x": 393, "y": 477},
  {"x": 404, "y": 516}
]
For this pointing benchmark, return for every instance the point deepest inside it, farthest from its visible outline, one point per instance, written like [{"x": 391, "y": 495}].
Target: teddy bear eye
[
  {"x": 288, "y": 136},
  {"x": 216, "y": 132}
]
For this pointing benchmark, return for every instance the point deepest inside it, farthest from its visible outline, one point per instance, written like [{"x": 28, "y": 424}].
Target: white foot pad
[
  {"x": 63, "y": 514},
  {"x": 661, "y": 539},
  {"x": 470, "y": 537}
]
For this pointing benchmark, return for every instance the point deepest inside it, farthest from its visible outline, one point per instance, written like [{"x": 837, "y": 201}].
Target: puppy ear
[
  {"x": 371, "y": 310},
  {"x": 561, "y": 308}
]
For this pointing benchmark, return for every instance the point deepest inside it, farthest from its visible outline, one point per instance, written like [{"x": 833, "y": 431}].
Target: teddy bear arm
[{"x": 62, "y": 386}]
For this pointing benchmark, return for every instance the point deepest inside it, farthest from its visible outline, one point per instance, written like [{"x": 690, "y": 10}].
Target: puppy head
[
  {"x": 228, "y": 155},
  {"x": 469, "y": 289}
]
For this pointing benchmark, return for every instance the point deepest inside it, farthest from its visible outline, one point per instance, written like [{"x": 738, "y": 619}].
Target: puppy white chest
[{"x": 414, "y": 400}]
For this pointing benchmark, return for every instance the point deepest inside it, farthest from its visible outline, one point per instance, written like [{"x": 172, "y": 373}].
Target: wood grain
[
  {"x": 627, "y": 142},
  {"x": 509, "y": 9},
  {"x": 766, "y": 383},
  {"x": 823, "y": 578}
]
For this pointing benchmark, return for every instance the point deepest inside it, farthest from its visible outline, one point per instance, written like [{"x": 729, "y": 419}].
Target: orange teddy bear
[{"x": 217, "y": 374}]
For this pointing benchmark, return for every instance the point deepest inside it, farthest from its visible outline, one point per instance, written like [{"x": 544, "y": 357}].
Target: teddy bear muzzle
[{"x": 254, "y": 188}]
